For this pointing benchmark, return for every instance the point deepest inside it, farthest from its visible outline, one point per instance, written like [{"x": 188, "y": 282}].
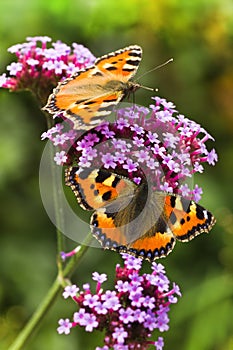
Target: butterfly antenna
[
  {"x": 155, "y": 68},
  {"x": 149, "y": 88}
]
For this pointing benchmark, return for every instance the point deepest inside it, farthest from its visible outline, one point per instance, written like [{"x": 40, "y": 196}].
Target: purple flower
[
  {"x": 166, "y": 188},
  {"x": 139, "y": 315},
  {"x": 212, "y": 157},
  {"x": 122, "y": 286},
  {"x": 142, "y": 155},
  {"x": 122, "y": 123},
  {"x": 108, "y": 161},
  {"x": 130, "y": 166},
  {"x": 90, "y": 153},
  {"x": 82, "y": 145},
  {"x": 126, "y": 315},
  {"x": 131, "y": 262},
  {"x": 159, "y": 343},
  {"x": 138, "y": 129},
  {"x": 100, "y": 309},
  {"x": 90, "y": 322},
  {"x": 119, "y": 158},
  {"x": 149, "y": 302},
  {"x": 39, "y": 68},
  {"x": 138, "y": 305},
  {"x": 70, "y": 291},
  {"x": 99, "y": 277},
  {"x": 197, "y": 191},
  {"x": 119, "y": 334},
  {"x": 91, "y": 138},
  {"x": 158, "y": 268},
  {"x": 3, "y": 79},
  {"x": 85, "y": 319},
  {"x": 136, "y": 298},
  {"x": 64, "y": 326},
  {"x": 79, "y": 317},
  {"x": 164, "y": 148},
  {"x": 150, "y": 321},
  {"x": 59, "y": 139},
  {"x": 135, "y": 278},
  {"x": 90, "y": 300},
  {"x": 111, "y": 300},
  {"x": 60, "y": 158},
  {"x": 138, "y": 142},
  {"x": 14, "y": 68}
]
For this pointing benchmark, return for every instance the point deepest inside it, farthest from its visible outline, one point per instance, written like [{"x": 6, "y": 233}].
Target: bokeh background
[{"x": 199, "y": 36}]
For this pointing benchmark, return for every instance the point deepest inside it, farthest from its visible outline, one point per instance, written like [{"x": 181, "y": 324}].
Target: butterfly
[
  {"x": 132, "y": 218},
  {"x": 89, "y": 95}
]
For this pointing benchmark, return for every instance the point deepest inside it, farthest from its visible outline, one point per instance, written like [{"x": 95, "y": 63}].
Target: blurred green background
[{"x": 199, "y": 36}]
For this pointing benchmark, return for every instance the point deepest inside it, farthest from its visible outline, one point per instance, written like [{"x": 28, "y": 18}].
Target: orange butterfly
[
  {"x": 88, "y": 96},
  {"x": 128, "y": 218}
]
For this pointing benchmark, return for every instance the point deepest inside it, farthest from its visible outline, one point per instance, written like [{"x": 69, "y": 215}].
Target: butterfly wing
[
  {"x": 129, "y": 218},
  {"x": 122, "y": 63},
  {"x": 95, "y": 188},
  {"x": 148, "y": 228},
  {"x": 187, "y": 219},
  {"x": 139, "y": 228},
  {"x": 89, "y": 95}
]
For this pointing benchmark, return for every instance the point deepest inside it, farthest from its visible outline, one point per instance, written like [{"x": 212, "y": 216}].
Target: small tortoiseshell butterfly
[
  {"x": 88, "y": 96},
  {"x": 128, "y": 218}
]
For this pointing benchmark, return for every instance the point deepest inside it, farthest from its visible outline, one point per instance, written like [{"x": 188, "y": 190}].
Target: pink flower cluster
[
  {"x": 40, "y": 67},
  {"x": 138, "y": 305},
  {"x": 155, "y": 143}
]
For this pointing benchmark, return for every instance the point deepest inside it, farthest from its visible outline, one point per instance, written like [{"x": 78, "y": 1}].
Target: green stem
[
  {"x": 58, "y": 205},
  {"x": 40, "y": 313},
  {"x": 49, "y": 299},
  {"x": 37, "y": 317}
]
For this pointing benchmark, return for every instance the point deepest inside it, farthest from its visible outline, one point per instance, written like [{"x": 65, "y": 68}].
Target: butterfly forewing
[
  {"x": 96, "y": 188},
  {"x": 88, "y": 96},
  {"x": 123, "y": 62}
]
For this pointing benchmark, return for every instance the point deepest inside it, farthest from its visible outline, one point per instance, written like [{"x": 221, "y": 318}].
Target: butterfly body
[
  {"x": 133, "y": 218},
  {"x": 89, "y": 95}
]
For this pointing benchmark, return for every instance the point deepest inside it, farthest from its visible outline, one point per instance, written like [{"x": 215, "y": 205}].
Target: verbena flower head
[
  {"x": 41, "y": 64},
  {"x": 156, "y": 143},
  {"x": 128, "y": 314}
]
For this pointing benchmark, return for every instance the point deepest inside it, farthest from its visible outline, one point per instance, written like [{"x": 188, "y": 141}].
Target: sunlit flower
[
  {"x": 128, "y": 314},
  {"x": 39, "y": 68},
  {"x": 158, "y": 145}
]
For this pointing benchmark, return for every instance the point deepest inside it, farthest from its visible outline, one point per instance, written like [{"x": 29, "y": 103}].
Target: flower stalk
[{"x": 40, "y": 313}]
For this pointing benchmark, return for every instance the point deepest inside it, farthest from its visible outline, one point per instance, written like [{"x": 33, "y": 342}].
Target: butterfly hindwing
[
  {"x": 187, "y": 219},
  {"x": 140, "y": 228},
  {"x": 88, "y": 96}
]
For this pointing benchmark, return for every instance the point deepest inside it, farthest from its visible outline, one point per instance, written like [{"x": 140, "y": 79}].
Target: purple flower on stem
[
  {"x": 99, "y": 278},
  {"x": 164, "y": 147},
  {"x": 127, "y": 324},
  {"x": 39, "y": 68}
]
